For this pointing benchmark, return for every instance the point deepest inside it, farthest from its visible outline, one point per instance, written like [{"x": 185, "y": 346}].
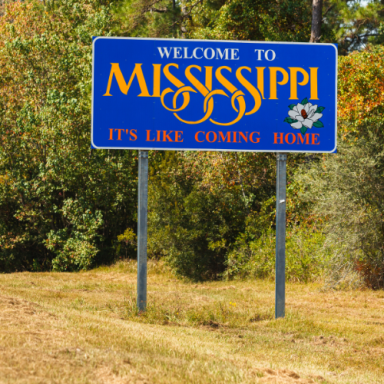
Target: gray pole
[
  {"x": 281, "y": 187},
  {"x": 142, "y": 232}
]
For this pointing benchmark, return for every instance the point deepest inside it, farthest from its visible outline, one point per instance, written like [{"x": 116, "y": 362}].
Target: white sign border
[{"x": 209, "y": 149}]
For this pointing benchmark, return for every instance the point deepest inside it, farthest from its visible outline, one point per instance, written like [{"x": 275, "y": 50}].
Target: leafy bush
[
  {"x": 361, "y": 92},
  {"x": 199, "y": 204},
  {"x": 75, "y": 247},
  {"x": 261, "y": 20},
  {"x": 62, "y": 204},
  {"x": 305, "y": 258},
  {"x": 191, "y": 223},
  {"x": 128, "y": 241},
  {"x": 348, "y": 190}
]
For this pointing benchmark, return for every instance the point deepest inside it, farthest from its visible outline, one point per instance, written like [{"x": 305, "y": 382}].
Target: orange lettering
[
  {"x": 257, "y": 139},
  {"x": 166, "y": 136},
  {"x": 197, "y": 137},
  {"x": 226, "y": 137},
  {"x": 214, "y": 135},
  {"x": 133, "y": 133},
  {"x": 178, "y": 136},
  {"x": 287, "y": 138},
  {"x": 244, "y": 137},
  {"x": 280, "y": 137},
  {"x": 119, "y": 133},
  {"x": 314, "y": 138},
  {"x": 300, "y": 138},
  {"x": 148, "y": 136},
  {"x": 110, "y": 133}
]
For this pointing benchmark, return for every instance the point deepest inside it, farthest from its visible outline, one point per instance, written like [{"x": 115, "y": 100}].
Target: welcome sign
[{"x": 213, "y": 95}]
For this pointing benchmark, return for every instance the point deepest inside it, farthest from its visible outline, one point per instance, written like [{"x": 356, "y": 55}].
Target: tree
[
  {"x": 216, "y": 19},
  {"x": 352, "y": 23},
  {"x": 361, "y": 92},
  {"x": 62, "y": 204},
  {"x": 151, "y": 18},
  {"x": 347, "y": 190},
  {"x": 200, "y": 203}
]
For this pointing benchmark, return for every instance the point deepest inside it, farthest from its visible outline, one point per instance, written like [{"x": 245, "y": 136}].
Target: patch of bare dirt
[
  {"x": 106, "y": 376},
  {"x": 331, "y": 340},
  {"x": 282, "y": 376},
  {"x": 226, "y": 288}
]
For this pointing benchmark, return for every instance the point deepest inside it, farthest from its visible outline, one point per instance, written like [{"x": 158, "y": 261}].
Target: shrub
[
  {"x": 128, "y": 241},
  {"x": 199, "y": 204},
  {"x": 305, "y": 258},
  {"x": 348, "y": 191},
  {"x": 62, "y": 204},
  {"x": 360, "y": 91}
]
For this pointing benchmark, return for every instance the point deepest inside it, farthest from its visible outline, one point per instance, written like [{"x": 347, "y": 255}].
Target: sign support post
[
  {"x": 142, "y": 232},
  {"x": 281, "y": 189}
]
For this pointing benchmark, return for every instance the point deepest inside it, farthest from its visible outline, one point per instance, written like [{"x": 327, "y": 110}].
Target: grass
[{"x": 84, "y": 328}]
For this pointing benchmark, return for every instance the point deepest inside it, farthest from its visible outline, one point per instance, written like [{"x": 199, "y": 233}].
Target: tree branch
[
  {"x": 191, "y": 8},
  {"x": 329, "y": 8},
  {"x": 159, "y": 10}
]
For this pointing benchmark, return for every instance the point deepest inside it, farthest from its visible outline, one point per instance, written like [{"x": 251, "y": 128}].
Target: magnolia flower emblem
[{"x": 304, "y": 115}]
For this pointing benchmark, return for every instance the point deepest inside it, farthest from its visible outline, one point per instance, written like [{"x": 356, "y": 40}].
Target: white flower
[{"x": 305, "y": 115}]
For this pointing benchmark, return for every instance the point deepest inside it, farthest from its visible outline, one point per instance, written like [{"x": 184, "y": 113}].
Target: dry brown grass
[{"x": 83, "y": 328}]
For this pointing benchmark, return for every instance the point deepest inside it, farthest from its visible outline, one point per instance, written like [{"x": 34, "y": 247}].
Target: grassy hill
[{"x": 84, "y": 328}]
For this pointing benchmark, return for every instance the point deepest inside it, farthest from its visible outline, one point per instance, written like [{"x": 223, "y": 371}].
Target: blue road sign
[{"x": 213, "y": 95}]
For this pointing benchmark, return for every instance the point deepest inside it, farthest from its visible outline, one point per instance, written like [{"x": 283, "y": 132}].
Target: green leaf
[
  {"x": 303, "y": 129},
  {"x": 320, "y": 109},
  {"x": 305, "y": 101},
  {"x": 318, "y": 124},
  {"x": 290, "y": 120},
  {"x": 291, "y": 106}
]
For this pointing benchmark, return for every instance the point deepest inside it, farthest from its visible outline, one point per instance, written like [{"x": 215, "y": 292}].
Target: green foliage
[
  {"x": 254, "y": 256},
  {"x": 361, "y": 92},
  {"x": 350, "y": 23},
  {"x": 202, "y": 205},
  {"x": 353, "y": 23},
  {"x": 345, "y": 190},
  {"x": 75, "y": 247},
  {"x": 158, "y": 18},
  {"x": 199, "y": 205},
  {"x": 62, "y": 204},
  {"x": 348, "y": 190},
  {"x": 284, "y": 20},
  {"x": 128, "y": 239},
  {"x": 190, "y": 224}
]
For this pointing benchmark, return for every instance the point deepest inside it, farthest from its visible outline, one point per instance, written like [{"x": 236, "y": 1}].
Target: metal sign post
[
  {"x": 142, "y": 232},
  {"x": 281, "y": 187}
]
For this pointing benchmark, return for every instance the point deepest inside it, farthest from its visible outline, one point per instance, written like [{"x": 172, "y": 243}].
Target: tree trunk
[
  {"x": 317, "y": 8},
  {"x": 183, "y": 13}
]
